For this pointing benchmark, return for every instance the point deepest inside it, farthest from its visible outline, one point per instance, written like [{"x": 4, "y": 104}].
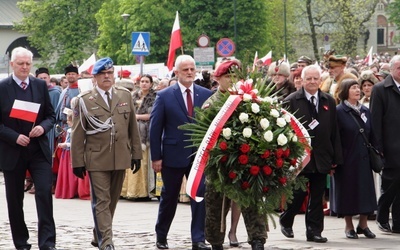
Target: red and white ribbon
[{"x": 208, "y": 142}]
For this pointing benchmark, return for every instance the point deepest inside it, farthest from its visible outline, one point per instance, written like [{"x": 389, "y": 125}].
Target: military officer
[
  {"x": 104, "y": 142},
  {"x": 215, "y": 202}
]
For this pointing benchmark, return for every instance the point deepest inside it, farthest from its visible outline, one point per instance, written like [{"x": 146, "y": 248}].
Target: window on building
[{"x": 381, "y": 36}]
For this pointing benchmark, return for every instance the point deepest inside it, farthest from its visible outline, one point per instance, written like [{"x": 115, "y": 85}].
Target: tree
[
  {"x": 62, "y": 29},
  {"x": 394, "y": 13},
  {"x": 196, "y": 18}
]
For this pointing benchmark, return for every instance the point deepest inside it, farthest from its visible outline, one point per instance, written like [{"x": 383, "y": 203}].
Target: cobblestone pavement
[{"x": 134, "y": 228}]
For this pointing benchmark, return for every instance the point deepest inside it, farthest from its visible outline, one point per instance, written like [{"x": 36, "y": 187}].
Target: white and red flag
[
  {"x": 88, "y": 64},
  {"x": 27, "y": 111},
  {"x": 267, "y": 59},
  {"x": 368, "y": 59},
  {"x": 175, "y": 42}
]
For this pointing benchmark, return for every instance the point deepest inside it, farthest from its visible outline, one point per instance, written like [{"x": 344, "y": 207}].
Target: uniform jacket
[
  {"x": 9, "y": 150},
  {"x": 325, "y": 139},
  {"x": 167, "y": 141},
  {"x": 384, "y": 104},
  {"x": 93, "y": 151}
]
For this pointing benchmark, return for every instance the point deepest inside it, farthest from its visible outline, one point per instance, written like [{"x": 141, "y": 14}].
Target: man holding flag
[{"x": 26, "y": 115}]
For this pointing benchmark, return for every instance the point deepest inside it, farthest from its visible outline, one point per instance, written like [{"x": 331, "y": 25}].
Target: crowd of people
[{"x": 120, "y": 139}]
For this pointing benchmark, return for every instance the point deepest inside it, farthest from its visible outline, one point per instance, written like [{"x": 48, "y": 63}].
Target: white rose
[
  {"x": 282, "y": 140},
  {"x": 292, "y": 169},
  {"x": 247, "y": 132},
  {"x": 274, "y": 113},
  {"x": 247, "y": 97},
  {"x": 227, "y": 132},
  {"x": 287, "y": 118},
  {"x": 268, "y": 136},
  {"x": 268, "y": 99},
  {"x": 255, "y": 108},
  {"x": 243, "y": 117},
  {"x": 264, "y": 123},
  {"x": 281, "y": 122},
  {"x": 294, "y": 138}
]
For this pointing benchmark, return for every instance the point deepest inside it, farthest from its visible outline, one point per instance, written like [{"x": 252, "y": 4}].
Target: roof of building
[{"x": 9, "y": 13}]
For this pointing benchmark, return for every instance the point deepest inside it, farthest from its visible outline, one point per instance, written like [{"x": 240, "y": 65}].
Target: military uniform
[
  {"x": 104, "y": 140},
  {"x": 216, "y": 202}
]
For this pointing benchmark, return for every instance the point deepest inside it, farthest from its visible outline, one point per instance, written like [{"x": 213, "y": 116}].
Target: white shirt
[
  {"x": 308, "y": 96},
  {"x": 18, "y": 81},
  {"x": 103, "y": 94},
  {"x": 184, "y": 94}
]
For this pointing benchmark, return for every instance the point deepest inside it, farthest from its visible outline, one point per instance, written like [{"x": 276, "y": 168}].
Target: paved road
[{"x": 134, "y": 228}]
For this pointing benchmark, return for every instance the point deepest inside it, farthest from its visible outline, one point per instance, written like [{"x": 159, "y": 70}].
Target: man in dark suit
[
  {"x": 169, "y": 152},
  {"x": 24, "y": 146},
  {"x": 317, "y": 110},
  {"x": 385, "y": 103}
]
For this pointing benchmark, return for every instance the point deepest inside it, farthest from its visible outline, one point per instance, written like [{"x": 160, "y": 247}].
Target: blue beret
[{"x": 102, "y": 64}]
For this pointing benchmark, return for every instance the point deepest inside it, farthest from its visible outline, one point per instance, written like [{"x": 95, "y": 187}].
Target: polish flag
[
  {"x": 368, "y": 58},
  {"x": 26, "y": 111},
  {"x": 175, "y": 42},
  {"x": 255, "y": 61},
  {"x": 267, "y": 60},
  {"x": 88, "y": 64}
]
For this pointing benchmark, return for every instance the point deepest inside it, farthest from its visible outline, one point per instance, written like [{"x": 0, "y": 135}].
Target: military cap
[
  {"x": 71, "y": 68},
  {"x": 102, "y": 64},
  {"x": 42, "y": 70},
  {"x": 226, "y": 67}
]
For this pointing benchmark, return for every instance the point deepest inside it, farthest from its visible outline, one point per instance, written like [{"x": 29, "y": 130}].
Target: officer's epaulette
[
  {"x": 84, "y": 93},
  {"x": 122, "y": 88}
]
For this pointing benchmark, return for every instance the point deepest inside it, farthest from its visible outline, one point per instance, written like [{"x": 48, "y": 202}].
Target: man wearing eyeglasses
[{"x": 105, "y": 141}]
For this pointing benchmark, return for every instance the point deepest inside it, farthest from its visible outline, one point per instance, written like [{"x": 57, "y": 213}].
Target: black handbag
[{"x": 375, "y": 158}]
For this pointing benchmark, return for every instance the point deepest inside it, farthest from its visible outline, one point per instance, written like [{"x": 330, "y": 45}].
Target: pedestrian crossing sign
[{"x": 141, "y": 43}]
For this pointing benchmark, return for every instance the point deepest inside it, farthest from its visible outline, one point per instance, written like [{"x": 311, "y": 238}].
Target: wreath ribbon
[{"x": 208, "y": 142}]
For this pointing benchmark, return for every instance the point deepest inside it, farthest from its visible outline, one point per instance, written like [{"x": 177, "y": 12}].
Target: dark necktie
[
  {"x": 108, "y": 99},
  {"x": 189, "y": 102},
  {"x": 313, "y": 102},
  {"x": 24, "y": 85}
]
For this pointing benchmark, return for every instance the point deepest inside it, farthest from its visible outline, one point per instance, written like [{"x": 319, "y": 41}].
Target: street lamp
[
  {"x": 285, "y": 31},
  {"x": 125, "y": 17}
]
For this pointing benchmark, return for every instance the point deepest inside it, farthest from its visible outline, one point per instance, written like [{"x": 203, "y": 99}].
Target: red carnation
[
  {"x": 286, "y": 153},
  {"x": 244, "y": 148},
  {"x": 266, "y": 154},
  {"x": 243, "y": 159},
  {"x": 223, "y": 145},
  {"x": 267, "y": 170},
  {"x": 232, "y": 175},
  {"x": 265, "y": 189},
  {"x": 224, "y": 159},
  {"x": 245, "y": 185},
  {"x": 279, "y": 153},
  {"x": 279, "y": 162},
  {"x": 282, "y": 180},
  {"x": 254, "y": 170},
  {"x": 293, "y": 162}
]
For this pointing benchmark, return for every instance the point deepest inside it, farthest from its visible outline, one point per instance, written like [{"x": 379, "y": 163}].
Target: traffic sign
[
  {"x": 225, "y": 47},
  {"x": 141, "y": 43}
]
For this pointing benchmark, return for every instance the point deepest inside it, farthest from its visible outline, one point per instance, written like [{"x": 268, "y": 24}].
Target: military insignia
[
  {"x": 122, "y": 104},
  {"x": 94, "y": 108},
  {"x": 76, "y": 111},
  {"x": 91, "y": 98}
]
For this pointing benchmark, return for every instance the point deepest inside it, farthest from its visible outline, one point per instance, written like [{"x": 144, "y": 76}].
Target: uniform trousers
[
  {"x": 105, "y": 189},
  {"x": 217, "y": 207}
]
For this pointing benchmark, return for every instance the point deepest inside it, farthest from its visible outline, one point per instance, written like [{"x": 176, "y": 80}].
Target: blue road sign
[
  {"x": 141, "y": 43},
  {"x": 225, "y": 47}
]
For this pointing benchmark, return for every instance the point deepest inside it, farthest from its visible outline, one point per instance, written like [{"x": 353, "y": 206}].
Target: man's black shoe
[
  {"x": 317, "y": 239},
  {"x": 200, "y": 246},
  {"x": 217, "y": 247},
  {"x": 287, "y": 231},
  {"x": 95, "y": 244},
  {"x": 257, "y": 245},
  {"x": 384, "y": 227},
  {"x": 162, "y": 244},
  {"x": 109, "y": 247}
]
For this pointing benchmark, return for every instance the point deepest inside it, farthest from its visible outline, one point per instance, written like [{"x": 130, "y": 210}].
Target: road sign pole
[{"x": 141, "y": 66}]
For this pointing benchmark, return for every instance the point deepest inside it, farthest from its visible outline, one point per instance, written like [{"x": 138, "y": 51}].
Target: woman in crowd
[
  {"x": 367, "y": 80},
  {"x": 139, "y": 186},
  {"x": 353, "y": 182}
]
